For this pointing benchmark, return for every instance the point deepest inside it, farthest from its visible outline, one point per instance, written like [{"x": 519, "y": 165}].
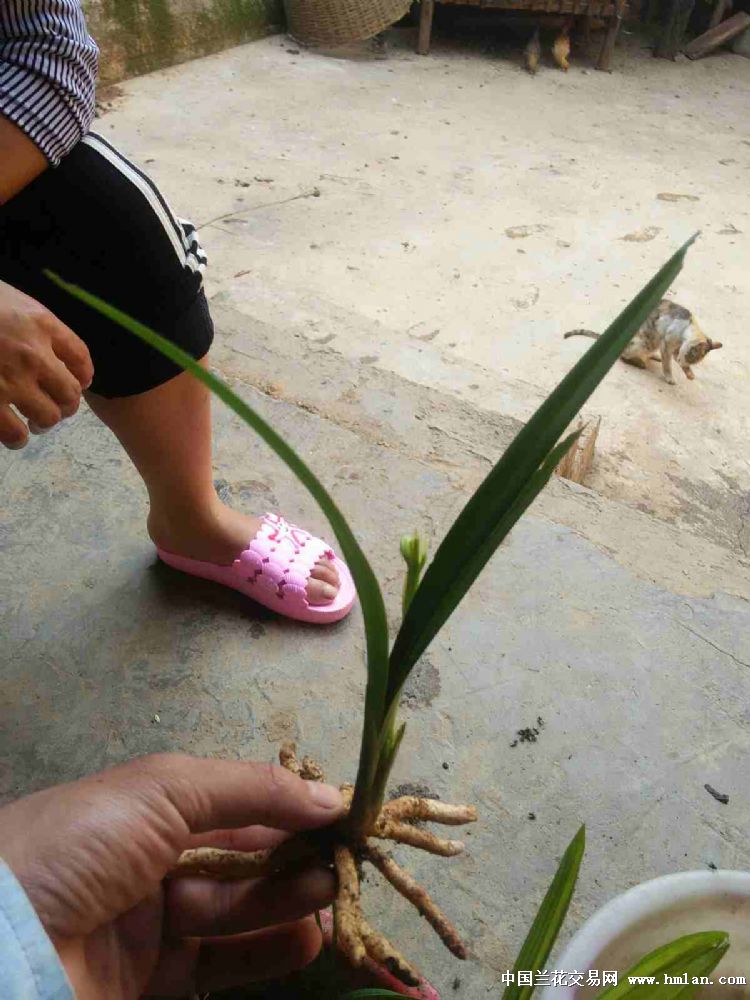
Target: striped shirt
[{"x": 48, "y": 65}]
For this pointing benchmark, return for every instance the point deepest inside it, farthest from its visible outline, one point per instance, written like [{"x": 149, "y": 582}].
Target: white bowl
[{"x": 654, "y": 913}]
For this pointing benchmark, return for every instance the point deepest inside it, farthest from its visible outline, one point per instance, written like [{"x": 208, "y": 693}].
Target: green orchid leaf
[
  {"x": 477, "y": 532},
  {"x": 692, "y": 955},
  {"x": 490, "y": 514},
  {"x": 549, "y": 918},
  {"x": 368, "y": 589}
]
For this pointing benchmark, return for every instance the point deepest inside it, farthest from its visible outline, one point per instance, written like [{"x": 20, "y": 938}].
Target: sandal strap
[{"x": 281, "y": 557}]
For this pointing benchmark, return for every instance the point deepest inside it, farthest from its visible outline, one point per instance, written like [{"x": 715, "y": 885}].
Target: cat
[{"x": 673, "y": 332}]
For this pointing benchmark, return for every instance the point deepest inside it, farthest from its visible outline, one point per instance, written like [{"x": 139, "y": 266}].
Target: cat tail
[{"x": 582, "y": 333}]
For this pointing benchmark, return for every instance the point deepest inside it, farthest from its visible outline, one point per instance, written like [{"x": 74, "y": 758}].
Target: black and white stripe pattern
[
  {"x": 181, "y": 233},
  {"x": 48, "y": 66}
]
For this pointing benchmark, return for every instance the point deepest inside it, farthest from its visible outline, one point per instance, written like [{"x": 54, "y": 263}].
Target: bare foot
[{"x": 221, "y": 535}]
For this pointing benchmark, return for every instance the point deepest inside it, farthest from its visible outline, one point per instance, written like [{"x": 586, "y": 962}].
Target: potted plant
[{"x": 654, "y": 913}]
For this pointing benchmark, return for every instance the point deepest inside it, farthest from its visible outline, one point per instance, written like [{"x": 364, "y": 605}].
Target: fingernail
[{"x": 325, "y": 796}]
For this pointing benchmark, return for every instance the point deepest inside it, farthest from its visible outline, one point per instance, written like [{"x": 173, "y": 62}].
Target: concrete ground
[{"x": 396, "y": 249}]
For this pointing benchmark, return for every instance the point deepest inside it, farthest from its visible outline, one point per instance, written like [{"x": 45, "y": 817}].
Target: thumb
[{"x": 225, "y": 794}]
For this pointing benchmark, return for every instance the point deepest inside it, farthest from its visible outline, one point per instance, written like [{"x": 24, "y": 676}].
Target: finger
[
  {"x": 13, "y": 431},
  {"x": 190, "y": 966},
  {"x": 269, "y": 954},
  {"x": 39, "y": 409},
  {"x": 224, "y": 794},
  {"x": 251, "y": 838},
  {"x": 73, "y": 353},
  {"x": 61, "y": 386},
  {"x": 197, "y": 907}
]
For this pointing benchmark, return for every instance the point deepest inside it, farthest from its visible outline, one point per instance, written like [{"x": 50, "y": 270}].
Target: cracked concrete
[{"x": 616, "y": 613}]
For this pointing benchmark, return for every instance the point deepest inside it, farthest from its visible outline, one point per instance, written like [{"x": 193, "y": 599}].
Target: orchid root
[{"x": 342, "y": 850}]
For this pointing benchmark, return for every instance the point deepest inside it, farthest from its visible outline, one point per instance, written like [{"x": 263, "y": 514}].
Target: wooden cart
[{"x": 611, "y": 11}]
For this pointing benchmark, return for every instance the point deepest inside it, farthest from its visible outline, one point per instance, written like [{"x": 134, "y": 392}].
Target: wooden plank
[
  {"x": 718, "y": 36},
  {"x": 577, "y": 461}
]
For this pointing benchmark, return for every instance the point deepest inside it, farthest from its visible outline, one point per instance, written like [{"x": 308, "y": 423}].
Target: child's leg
[
  {"x": 99, "y": 222},
  {"x": 167, "y": 434}
]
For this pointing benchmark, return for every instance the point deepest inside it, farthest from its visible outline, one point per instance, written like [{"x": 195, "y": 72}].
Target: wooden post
[
  {"x": 604, "y": 63},
  {"x": 673, "y": 34},
  {"x": 720, "y": 9},
  {"x": 651, "y": 14},
  {"x": 426, "y": 10}
]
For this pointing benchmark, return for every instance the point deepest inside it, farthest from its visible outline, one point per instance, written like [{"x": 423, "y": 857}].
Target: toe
[
  {"x": 320, "y": 592},
  {"x": 323, "y": 584},
  {"x": 325, "y": 571}
]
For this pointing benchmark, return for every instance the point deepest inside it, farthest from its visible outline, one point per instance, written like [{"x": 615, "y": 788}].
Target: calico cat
[{"x": 670, "y": 330}]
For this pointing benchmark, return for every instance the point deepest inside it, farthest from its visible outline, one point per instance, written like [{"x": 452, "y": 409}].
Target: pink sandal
[{"x": 274, "y": 570}]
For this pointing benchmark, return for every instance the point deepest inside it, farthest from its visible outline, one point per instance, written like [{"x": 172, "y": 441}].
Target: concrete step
[{"x": 436, "y": 422}]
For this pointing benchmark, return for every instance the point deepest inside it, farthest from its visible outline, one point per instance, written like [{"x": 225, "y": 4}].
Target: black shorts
[{"x": 99, "y": 222}]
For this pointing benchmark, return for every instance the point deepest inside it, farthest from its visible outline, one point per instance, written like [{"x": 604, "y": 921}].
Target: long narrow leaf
[
  {"x": 472, "y": 539},
  {"x": 389, "y": 748},
  {"x": 370, "y": 596},
  {"x": 525, "y": 497},
  {"x": 549, "y": 919},
  {"x": 694, "y": 955}
]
